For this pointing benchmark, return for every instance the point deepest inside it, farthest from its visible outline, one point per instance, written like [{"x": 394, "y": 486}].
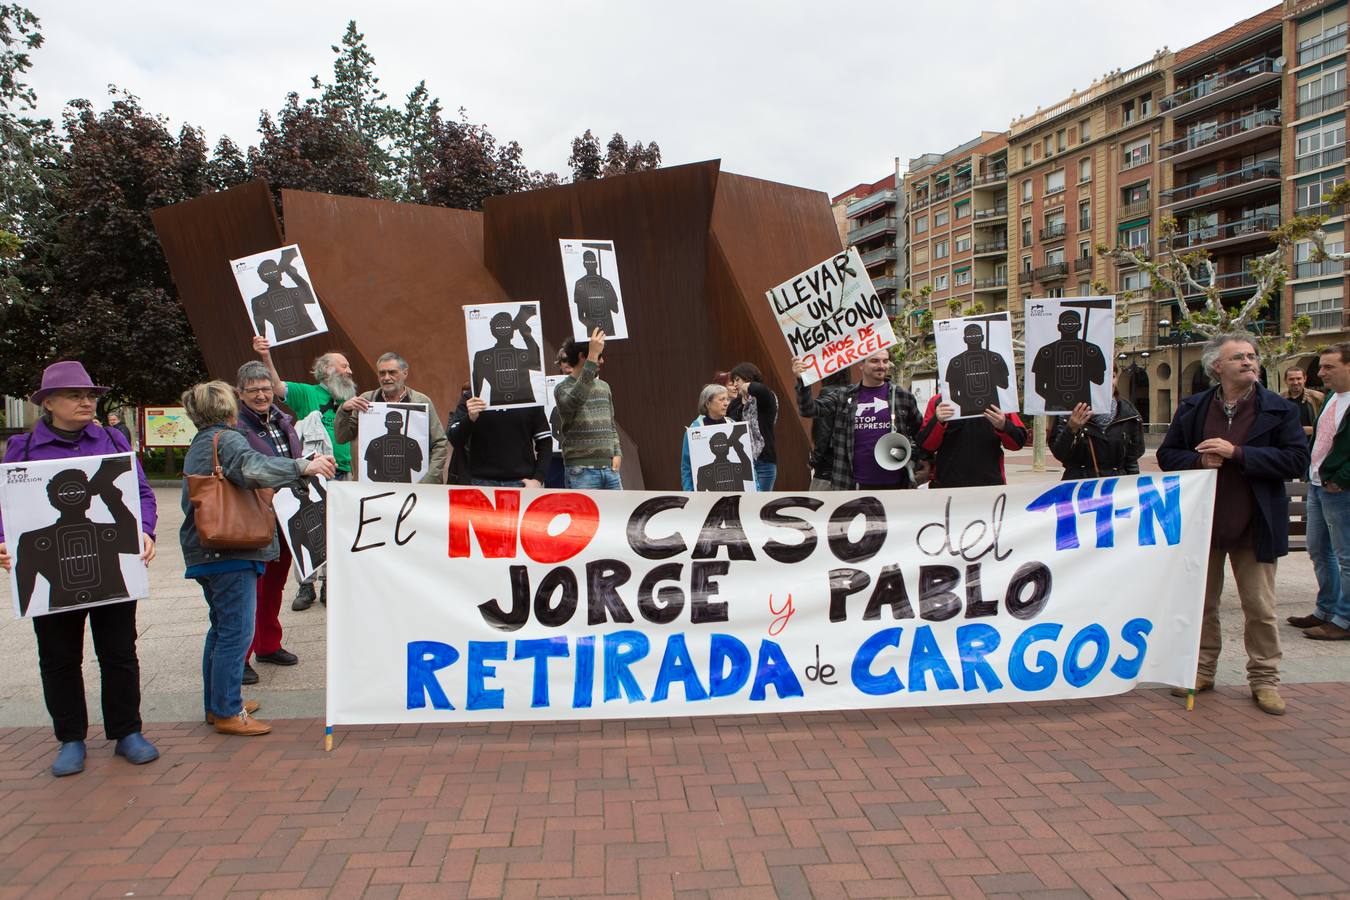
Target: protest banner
[
  {"x": 277, "y": 295},
  {"x": 467, "y": 604},
  {"x": 394, "y": 442},
  {"x": 831, "y": 315},
  {"x": 975, "y": 359},
  {"x": 506, "y": 368},
  {"x": 720, "y": 458},
  {"x": 591, "y": 272},
  {"x": 1069, "y": 346},
  {"x": 73, "y": 528}
]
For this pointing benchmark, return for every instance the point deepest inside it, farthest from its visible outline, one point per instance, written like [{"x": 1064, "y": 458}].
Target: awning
[{"x": 1133, "y": 223}]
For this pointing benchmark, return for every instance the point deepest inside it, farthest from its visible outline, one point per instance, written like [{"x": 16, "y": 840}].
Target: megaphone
[{"x": 893, "y": 451}]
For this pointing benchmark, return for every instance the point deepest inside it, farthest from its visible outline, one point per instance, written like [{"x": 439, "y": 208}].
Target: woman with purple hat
[{"x": 69, "y": 400}]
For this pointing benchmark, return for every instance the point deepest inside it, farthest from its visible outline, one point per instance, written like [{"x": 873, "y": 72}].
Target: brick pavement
[{"x": 1125, "y": 795}]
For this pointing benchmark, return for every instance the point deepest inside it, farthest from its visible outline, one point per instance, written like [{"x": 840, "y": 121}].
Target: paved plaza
[{"x": 1127, "y": 795}]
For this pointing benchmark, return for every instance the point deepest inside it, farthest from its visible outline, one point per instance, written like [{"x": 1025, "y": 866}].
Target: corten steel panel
[
  {"x": 394, "y": 277},
  {"x": 200, "y": 237},
  {"x": 762, "y": 234},
  {"x": 659, "y": 224}
]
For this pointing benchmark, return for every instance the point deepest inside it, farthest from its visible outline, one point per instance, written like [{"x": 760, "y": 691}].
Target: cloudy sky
[{"x": 819, "y": 95}]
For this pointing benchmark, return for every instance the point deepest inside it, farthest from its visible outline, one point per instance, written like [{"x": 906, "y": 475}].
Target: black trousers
[{"x": 60, "y": 640}]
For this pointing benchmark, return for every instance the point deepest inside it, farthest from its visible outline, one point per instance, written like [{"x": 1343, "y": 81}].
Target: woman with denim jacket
[{"x": 229, "y": 577}]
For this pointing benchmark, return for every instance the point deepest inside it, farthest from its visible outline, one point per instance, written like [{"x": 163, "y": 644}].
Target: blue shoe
[
  {"x": 69, "y": 759},
  {"x": 136, "y": 749}
]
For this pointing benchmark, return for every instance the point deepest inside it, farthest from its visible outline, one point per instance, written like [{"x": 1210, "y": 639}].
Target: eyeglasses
[
  {"x": 79, "y": 396},
  {"x": 1244, "y": 357},
  {"x": 257, "y": 390}
]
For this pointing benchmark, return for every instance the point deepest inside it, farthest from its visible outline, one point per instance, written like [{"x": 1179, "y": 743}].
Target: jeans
[
  {"x": 592, "y": 478},
  {"x": 766, "y": 473},
  {"x": 232, "y": 600},
  {"x": 488, "y": 482},
  {"x": 60, "y": 642},
  {"x": 1329, "y": 549}
]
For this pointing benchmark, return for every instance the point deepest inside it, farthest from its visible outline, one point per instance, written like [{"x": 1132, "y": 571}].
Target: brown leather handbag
[{"x": 229, "y": 517}]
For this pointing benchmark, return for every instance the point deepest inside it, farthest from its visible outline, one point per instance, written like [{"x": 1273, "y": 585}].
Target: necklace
[{"x": 1230, "y": 409}]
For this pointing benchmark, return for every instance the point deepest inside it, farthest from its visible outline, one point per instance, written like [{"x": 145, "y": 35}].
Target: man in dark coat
[{"x": 1252, "y": 436}]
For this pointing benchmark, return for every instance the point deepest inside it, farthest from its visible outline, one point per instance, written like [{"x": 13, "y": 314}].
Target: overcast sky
[{"x": 819, "y": 95}]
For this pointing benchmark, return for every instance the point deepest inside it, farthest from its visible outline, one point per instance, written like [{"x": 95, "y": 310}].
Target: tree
[
  {"x": 915, "y": 350},
  {"x": 354, "y": 96},
  {"x": 27, "y": 146},
  {"x": 585, "y": 161},
  {"x": 308, "y": 147},
  {"x": 619, "y": 159}
]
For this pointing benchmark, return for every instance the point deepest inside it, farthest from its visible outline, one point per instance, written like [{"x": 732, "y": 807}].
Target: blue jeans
[
  {"x": 232, "y": 599},
  {"x": 766, "y": 474},
  {"x": 488, "y": 482},
  {"x": 1329, "y": 549},
  {"x": 592, "y": 478}
]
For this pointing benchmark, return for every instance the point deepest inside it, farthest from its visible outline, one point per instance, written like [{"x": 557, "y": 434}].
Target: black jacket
[
  {"x": 1275, "y": 451},
  {"x": 1095, "y": 452}
]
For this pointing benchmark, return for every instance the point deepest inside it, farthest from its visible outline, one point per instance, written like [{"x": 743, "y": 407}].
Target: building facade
[{"x": 869, "y": 218}]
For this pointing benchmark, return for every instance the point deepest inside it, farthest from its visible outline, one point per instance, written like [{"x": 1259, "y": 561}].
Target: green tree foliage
[{"x": 587, "y": 163}]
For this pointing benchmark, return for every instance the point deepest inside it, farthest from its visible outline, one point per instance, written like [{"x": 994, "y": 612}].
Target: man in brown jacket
[{"x": 1308, "y": 401}]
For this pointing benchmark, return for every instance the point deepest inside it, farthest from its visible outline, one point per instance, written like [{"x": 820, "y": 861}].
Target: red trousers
[{"x": 272, "y": 584}]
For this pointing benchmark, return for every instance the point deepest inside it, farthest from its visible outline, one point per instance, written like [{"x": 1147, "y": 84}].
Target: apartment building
[{"x": 871, "y": 216}]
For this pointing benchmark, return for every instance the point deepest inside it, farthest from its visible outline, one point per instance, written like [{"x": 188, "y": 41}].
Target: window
[
  {"x": 1308, "y": 193},
  {"x": 940, "y": 282},
  {"x": 963, "y": 210},
  {"x": 1085, "y": 289},
  {"x": 1054, "y": 293},
  {"x": 1146, "y": 105},
  {"x": 1054, "y": 181},
  {"x": 940, "y": 250},
  {"x": 941, "y": 218},
  {"x": 920, "y": 224},
  {"x": 1132, "y": 329},
  {"x": 1084, "y": 215},
  {"x": 1026, "y": 232},
  {"x": 1026, "y": 191},
  {"x": 920, "y": 256},
  {"x": 1026, "y": 264},
  {"x": 1054, "y": 221},
  {"x": 1304, "y": 267},
  {"x": 1026, "y": 155},
  {"x": 1134, "y": 193},
  {"x": 1321, "y": 92},
  {"x": 1136, "y": 237},
  {"x": 1320, "y": 35},
  {"x": 1135, "y": 281},
  {"x": 1049, "y": 144},
  {"x": 1085, "y": 249},
  {"x": 1061, "y": 140},
  {"x": 963, "y": 277},
  {"x": 1085, "y": 130},
  {"x": 963, "y": 243},
  {"x": 1085, "y": 169},
  {"x": 1054, "y": 257},
  {"x": 1127, "y": 114},
  {"x": 1135, "y": 153},
  {"x": 1320, "y": 144},
  {"x": 1323, "y": 302}
]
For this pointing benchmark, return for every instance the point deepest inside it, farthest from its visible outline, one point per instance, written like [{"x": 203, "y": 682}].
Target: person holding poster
[
  {"x": 1092, "y": 445},
  {"x": 713, "y": 402},
  {"x": 392, "y": 371},
  {"x": 229, "y": 578},
  {"x": 1252, "y": 436},
  {"x": 506, "y": 447},
  {"x": 590, "y": 444},
  {"x": 969, "y": 452},
  {"x": 69, "y": 398},
  {"x": 333, "y": 387},
  {"x": 750, "y": 393},
  {"x": 859, "y": 415}
]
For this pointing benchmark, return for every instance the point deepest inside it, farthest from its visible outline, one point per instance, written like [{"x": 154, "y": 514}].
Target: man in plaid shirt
[{"x": 859, "y": 415}]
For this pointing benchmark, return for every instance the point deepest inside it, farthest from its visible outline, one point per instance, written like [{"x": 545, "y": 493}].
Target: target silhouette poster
[
  {"x": 554, "y": 417},
  {"x": 302, "y": 510},
  {"x": 278, "y": 296},
  {"x": 73, "y": 529},
  {"x": 975, "y": 363},
  {"x": 595, "y": 300},
  {"x": 720, "y": 457},
  {"x": 1069, "y": 346},
  {"x": 393, "y": 443},
  {"x": 506, "y": 369}
]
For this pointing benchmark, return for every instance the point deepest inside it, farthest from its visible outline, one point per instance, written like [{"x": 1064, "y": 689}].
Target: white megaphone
[{"x": 893, "y": 451}]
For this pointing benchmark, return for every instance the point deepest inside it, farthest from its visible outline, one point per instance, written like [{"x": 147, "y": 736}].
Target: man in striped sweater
[{"x": 590, "y": 440}]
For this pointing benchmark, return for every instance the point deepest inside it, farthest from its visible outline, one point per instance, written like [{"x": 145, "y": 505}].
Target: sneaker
[
  {"x": 279, "y": 657},
  {"x": 137, "y": 750},
  {"x": 69, "y": 759},
  {"x": 1305, "y": 621},
  {"x": 250, "y": 707},
  {"x": 250, "y": 675},
  {"x": 304, "y": 598},
  {"x": 1201, "y": 684},
  {"x": 1328, "y": 631},
  {"x": 242, "y": 725},
  {"x": 1269, "y": 700}
]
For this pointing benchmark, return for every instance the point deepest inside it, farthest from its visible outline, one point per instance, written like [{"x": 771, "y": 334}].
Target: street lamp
[{"x": 1172, "y": 336}]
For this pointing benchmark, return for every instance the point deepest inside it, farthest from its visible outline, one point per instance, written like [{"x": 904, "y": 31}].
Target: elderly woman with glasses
[{"x": 67, "y": 429}]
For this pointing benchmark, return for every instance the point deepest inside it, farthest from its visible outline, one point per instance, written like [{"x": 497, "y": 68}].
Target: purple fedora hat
[{"x": 68, "y": 374}]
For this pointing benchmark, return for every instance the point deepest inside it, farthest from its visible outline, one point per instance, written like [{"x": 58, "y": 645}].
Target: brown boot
[
  {"x": 1269, "y": 700},
  {"x": 1328, "y": 631},
  {"x": 1202, "y": 683},
  {"x": 242, "y": 725},
  {"x": 250, "y": 707},
  {"x": 1305, "y": 621}
]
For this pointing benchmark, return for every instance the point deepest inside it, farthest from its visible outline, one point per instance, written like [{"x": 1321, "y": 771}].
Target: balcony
[
  {"x": 1053, "y": 232},
  {"x": 1324, "y": 269},
  {"x": 884, "y": 225},
  {"x": 869, "y": 203},
  {"x": 1195, "y": 97},
  {"x": 1135, "y": 210},
  {"x": 1315, "y": 106},
  {"x": 1213, "y": 188},
  {"x": 886, "y": 283},
  {"x": 1204, "y": 142},
  {"x": 1323, "y": 45},
  {"x": 1083, "y": 264},
  {"x": 961, "y": 185},
  {"x": 1051, "y": 190},
  {"x": 919, "y": 202},
  {"x": 1230, "y": 281},
  {"x": 998, "y": 212},
  {"x": 1052, "y": 272},
  {"x": 1331, "y": 156},
  {"x": 994, "y": 283},
  {"x": 1252, "y": 227},
  {"x": 879, "y": 255},
  {"x": 992, "y": 179},
  {"x": 992, "y": 248}
]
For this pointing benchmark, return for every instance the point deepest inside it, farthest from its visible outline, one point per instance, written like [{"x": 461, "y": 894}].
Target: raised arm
[{"x": 263, "y": 349}]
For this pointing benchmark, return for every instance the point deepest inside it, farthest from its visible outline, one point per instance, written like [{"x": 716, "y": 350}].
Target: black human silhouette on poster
[
  {"x": 724, "y": 473},
  {"x": 504, "y": 366},
  {"x": 78, "y": 557},
  {"x": 393, "y": 456},
  {"x": 594, "y": 295},
  {"x": 1065, "y": 369},
  {"x": 975, "y": 375},
  {"x": 280, "y": 306},
  {"x": 307, "y": 530}
]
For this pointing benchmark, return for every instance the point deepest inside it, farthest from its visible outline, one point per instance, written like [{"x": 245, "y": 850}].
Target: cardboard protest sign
[
  {"x": 551, "y": 383},
  {"x": 73, "y": 528},
  {"x": 301, "y": 509},
  {"x": 1069, "y": 345},
  {"x": 393, "y": 443},
  {"x": 831, "y": 316},
  {"x": 720, "y": 457},
  {"x": 975, "y": 363},
  {"x": 499, "y": 604},
  {"x": 506, "y": 367},
  {"x": 591, "y": 272},
  {"x": 276, "y": 291}
]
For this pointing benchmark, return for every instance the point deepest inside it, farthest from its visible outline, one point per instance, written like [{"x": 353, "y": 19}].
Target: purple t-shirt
[{"x": 871, "y": 420}]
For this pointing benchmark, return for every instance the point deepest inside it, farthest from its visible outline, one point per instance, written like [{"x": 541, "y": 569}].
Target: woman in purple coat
[{"x": 69, "y": 401}]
